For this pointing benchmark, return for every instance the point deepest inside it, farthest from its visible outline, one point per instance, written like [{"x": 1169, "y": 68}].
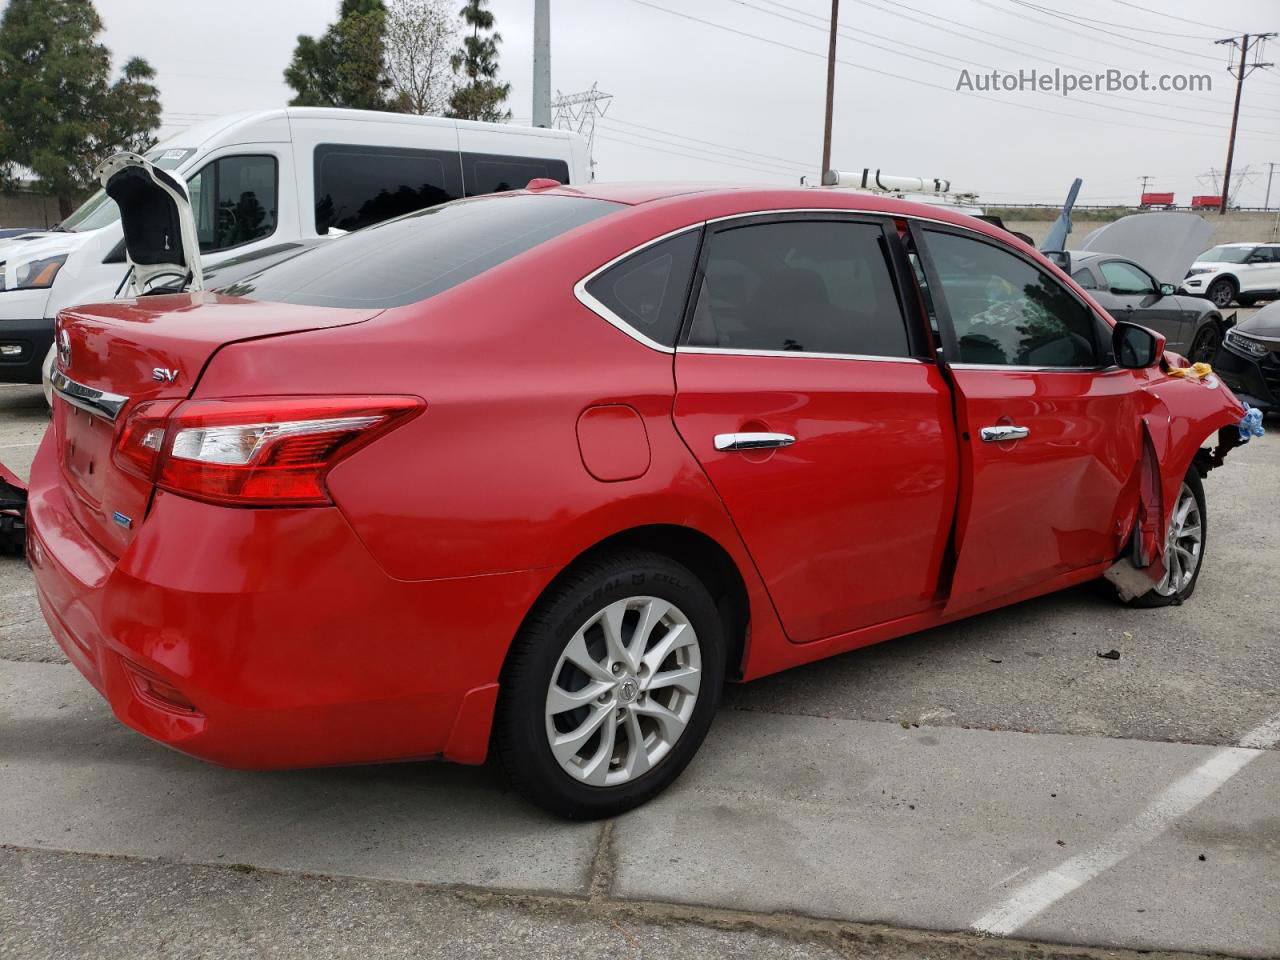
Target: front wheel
[
  {"x": 1184, "y": 547},
  {"x": 611, "y": 686},
  {"x": 1207, "y": 341},
  {"x": 1221, "y": 293}
]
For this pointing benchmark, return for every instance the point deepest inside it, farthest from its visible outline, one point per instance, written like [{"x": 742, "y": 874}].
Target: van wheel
[
  {"x": 1184, "y": 547},
  {"x": 611, "y": 685},
  {"x": 1221, "y": 292}
]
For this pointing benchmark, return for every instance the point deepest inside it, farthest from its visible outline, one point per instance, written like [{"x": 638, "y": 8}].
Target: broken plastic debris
[
  {"x": 1250, "y": 424},
  {"x": 1110, "y": 655}
]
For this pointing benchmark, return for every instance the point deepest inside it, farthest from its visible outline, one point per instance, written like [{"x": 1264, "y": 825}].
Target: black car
[
  {"x": 1249, "y": 360},
  {"x": 1192, "y": 326}
]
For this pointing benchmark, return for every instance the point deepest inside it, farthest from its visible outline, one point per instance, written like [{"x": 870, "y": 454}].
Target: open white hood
[
  {"x": 1166, "y": 244},
  {"x": 159, "y": 225}
]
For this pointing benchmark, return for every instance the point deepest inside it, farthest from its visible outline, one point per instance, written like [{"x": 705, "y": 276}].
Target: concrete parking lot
[{"x": 955, "y": 793}]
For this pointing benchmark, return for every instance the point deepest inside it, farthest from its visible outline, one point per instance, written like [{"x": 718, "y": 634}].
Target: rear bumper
[
  {"x": 33, "y": 339},
  {"x": 290, "y": 645}
]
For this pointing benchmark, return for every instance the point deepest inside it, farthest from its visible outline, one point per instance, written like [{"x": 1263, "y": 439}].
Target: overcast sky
[{"x": 698, "y": 100}]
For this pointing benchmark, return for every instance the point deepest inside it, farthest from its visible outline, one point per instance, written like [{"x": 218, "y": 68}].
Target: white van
[{"x": 267, "y": 179}]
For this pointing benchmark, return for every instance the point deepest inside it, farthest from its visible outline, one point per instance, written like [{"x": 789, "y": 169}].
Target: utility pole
[
  {"x": 831, "y": 91},
  {"x": 1271, "y": 169},
  {"x": 542, "y": 63},
  {"x": 1145, "y": 181},
  {"x": 1240, "y": 73}
]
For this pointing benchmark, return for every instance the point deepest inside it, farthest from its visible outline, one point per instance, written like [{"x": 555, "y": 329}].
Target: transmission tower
[
  {"x": 1213, "y": 177},
  {"x": 579, "y": 112}
]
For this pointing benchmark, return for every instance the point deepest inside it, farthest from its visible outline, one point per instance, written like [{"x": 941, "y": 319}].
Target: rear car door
[
  {"x": 801, "y": 390},
  {"x": 1049, "y": 427},
  {"x": 1140, "y": 301}
]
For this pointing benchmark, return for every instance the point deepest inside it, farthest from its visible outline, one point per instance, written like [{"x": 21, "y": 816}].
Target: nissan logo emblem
[{"x": 64, "y": 349}]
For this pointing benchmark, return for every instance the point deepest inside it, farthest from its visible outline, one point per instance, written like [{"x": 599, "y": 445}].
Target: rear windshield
[{"x": 420, "y": 254}]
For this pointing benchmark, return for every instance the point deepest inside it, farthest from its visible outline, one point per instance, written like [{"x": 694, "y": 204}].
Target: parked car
[
  {"x": 1191, "y": 325},
  {"x": 1241, "y": 272},
  {"x": 1249, "y": 360},
  {"x": 260, "y": 179},
  {"x": 534, "y": 473}
]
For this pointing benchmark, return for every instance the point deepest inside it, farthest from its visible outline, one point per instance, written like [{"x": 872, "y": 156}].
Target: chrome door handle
[
  {"x": 753, "y": 441},
  {"x": 1003, "y": 432}
]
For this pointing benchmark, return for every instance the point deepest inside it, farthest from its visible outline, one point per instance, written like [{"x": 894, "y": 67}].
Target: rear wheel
[
  {"x": 1184, "y": 547},
  {"x": 1205, "y": 346},
  {"x": 1221, "y": 292},
  {"x": 1245, "y": 300},
  {"x": 611, "y": 686}
]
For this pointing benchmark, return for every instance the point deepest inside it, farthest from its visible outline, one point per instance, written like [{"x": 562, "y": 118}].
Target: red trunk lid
[{"x": 125, "y": 353}]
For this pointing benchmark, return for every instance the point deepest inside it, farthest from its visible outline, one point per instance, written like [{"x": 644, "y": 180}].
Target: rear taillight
[{"x": 262, "y": 452}]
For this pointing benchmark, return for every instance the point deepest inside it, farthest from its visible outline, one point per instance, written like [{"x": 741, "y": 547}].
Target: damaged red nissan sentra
[{"x": 535, "y": 473}]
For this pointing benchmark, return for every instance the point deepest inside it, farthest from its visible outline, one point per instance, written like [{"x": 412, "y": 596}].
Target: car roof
[{"x": 719, "y": 199}]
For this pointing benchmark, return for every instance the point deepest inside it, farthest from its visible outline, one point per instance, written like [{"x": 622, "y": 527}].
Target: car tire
[
  {"x": 1221, "y": 293},
  {"x": 1205, "y": 346},
  {"x": 622, "y": 738},
  {"x": 1169, "y": 591}
]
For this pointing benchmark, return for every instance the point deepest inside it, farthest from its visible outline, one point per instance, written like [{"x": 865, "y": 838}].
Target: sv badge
[{"x": 164, "y": 375}]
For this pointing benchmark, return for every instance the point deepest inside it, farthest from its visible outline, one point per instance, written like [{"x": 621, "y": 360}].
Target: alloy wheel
[
  {"x": 623, "y": 691},
  {"x": 1183, "y": 545},
  {"x": 1221, "y": 294}
]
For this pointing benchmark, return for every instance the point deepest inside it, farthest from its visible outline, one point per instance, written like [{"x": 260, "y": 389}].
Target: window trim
[
  {"x": 600, "y": 310},
  {"x": 899, "y": 276},
  {"x": 951, "y": 346},
  {"x": 275, "y": 167}
]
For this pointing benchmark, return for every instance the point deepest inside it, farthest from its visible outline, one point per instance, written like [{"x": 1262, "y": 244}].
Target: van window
[
  {"x": 234, "y": 201},
  {"x": 421, "y": 254},
  {"x": 358, "y": 185},
  {"x": 491, "y": 172}
]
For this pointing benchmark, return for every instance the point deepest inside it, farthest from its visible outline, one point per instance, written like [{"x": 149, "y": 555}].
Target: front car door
[
  {"x": 1049, "y": 428},
  {"x": 803, "y": 389},
  {"x": 1141, "y": 301}
]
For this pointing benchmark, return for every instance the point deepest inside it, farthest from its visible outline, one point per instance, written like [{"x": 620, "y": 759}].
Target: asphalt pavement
[{"x": 930, "y": 796}]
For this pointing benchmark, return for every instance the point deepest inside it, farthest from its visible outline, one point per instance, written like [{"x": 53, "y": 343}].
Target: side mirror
[
  {"x": 1061, "y": 258},
  {"x": 1136, "y": 347},
  {"x": 1167, "y": 289}
]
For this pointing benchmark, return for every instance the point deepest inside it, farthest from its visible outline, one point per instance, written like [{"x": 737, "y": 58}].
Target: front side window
[
  {"x": 420, "y": 254},
  {"x": 647, "y": 290},
  {"x": 234, "y": 201},
  {"x": 357, "y": 185},
  {"x": 1007, "y": 312},
  {"x": 491, "y": 173},
  {"x": 1126, "y": 280},
  {"x": 813, "y": 286}
]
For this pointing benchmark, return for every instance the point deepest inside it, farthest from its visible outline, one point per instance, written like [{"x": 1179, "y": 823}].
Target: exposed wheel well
[{"x": 706, "y": 558}]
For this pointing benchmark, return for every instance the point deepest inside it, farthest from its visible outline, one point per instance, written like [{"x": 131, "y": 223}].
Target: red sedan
[{"x": 538, "y": 472}]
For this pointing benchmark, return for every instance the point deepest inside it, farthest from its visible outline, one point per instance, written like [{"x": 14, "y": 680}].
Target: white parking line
[
  {"x": 7, "y": 446},
  {"x": 1181, "y": 797}
]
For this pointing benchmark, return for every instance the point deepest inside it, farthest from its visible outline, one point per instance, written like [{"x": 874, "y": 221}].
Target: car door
[
  {"x": 1268, "y": 271},
  {"x": 1140, "y": 301},
  {"x": 1050, "y": 433},
  {"x": 802, "y": 389}
]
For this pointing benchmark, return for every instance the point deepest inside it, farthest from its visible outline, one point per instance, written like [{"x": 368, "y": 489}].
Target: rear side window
[
  {"x": 647, "y": 290},
  {"x": 491, "y": 173},
  {"x": 1084, "y": 277},
  {"x": 234, "y": 201},
  {"x": 800, "y": 285},
  {"x": 421, "y": 254},
  {"x": 356, "y": 185},
  {"x": 1007, "y": 312}
]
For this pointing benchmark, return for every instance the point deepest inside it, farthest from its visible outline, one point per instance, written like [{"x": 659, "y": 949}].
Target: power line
[
  {"x": 915, "y": 80},
  {"x": 727, "y": 153},
  {"x": 710, "y": 143},
  {"x": 1162, "y": 13},
  {"x": 858, "y": 39},
  {"x": 1120, "y": 26},
  {"x": 612, "y": 138}
]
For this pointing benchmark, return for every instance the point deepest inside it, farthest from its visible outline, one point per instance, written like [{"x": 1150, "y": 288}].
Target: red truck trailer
[
  {"x": 1156, "y": 201},
  {"x": 1206, "y": 202}
]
